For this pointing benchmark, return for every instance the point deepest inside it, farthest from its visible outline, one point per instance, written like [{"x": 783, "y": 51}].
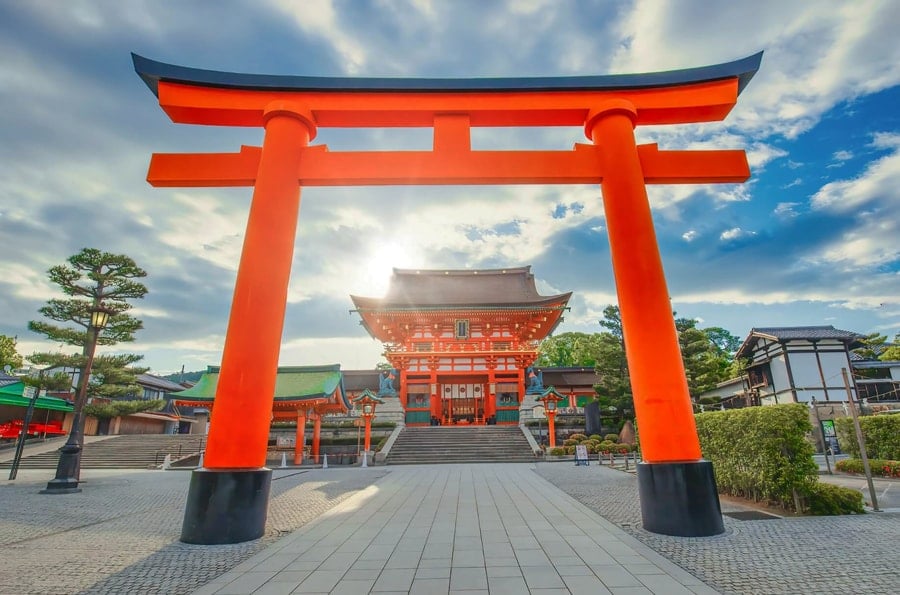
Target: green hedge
[
  {"x": 882, "y": 433},
  {"x": 761, "y": 453},
  {"x": 829, "y": 499},
  {"x": 879, "y": 467}
]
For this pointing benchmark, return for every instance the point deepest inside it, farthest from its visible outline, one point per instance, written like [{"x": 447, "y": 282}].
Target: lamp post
[
  {"x": 68, "y": 470},
  {"x": 550, "y": 398},
  {"x": 20, "y": 443},
  {"x": 367, "y": 400}
]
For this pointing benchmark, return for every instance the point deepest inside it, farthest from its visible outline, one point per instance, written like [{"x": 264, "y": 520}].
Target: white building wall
[{"x": 780, "y": 381}]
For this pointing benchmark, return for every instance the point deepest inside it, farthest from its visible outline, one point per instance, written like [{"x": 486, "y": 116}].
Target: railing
[{"x": 177, "y": 454}]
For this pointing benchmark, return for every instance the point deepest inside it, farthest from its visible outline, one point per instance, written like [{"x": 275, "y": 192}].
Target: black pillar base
[
  {"x": 68, "y": 469},
  {"x": 226, "y": 506},
  {"x": 680, "y": 499}
]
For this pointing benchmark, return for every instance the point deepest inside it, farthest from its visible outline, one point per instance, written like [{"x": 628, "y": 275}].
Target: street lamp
[
  {"x": 550, "y": 398},
  {"x": 368, "y": 401},
  {"x": 68, "y": 470}
]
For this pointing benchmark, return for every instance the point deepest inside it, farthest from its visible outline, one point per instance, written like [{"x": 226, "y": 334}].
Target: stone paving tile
[
  {"x": 823, "y": 555},
  {"x": 120, "y": 534}
]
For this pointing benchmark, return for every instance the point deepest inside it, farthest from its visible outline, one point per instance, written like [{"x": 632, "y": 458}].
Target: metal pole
[
  {"x": 861, "y": 439},
  {"x": 20, "y": 444},
  {"x": 815, "y": 408}
]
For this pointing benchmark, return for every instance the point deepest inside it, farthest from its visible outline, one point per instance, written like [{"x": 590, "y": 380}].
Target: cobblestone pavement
[
  {"x": 120, "y": 535},
  {"x": 823, "y": 555}
]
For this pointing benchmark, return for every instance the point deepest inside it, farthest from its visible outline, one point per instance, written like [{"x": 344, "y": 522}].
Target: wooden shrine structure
[
  {"x": 301, "y": 393},
  {"x": 462, "y": 340}
]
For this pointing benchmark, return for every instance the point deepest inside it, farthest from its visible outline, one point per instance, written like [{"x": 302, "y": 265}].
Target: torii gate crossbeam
[{"x": 677, "y": 487}]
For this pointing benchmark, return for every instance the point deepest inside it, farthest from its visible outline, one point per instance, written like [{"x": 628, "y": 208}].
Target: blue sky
[{"x": 811, "y": 239}]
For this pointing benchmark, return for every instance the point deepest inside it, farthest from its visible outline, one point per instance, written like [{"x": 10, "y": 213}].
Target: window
[{"x": 462, "y": 329}]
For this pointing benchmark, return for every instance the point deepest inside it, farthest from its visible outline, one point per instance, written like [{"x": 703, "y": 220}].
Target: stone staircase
[
  {"x": 138, "y": 451},
  {"x": 453, "y": 444}
]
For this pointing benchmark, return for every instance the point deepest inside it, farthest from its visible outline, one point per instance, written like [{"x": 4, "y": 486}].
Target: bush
[
  {"x": 606, "y": 446},
  {"x": 577, "y": 437},
  {"x": 611, "y": 438},
  {"x": 882, "y": 433},
  {"x": 596, "y": 437},
  {"x": 760, "y": 452},
  {"x": 879, "y": 467},
  {"x": 570, "y": 442},
  {"x": 828, "y": 499},
  {"x": 558, "y": 451}
]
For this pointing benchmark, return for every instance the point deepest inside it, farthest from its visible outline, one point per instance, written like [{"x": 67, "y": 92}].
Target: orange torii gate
[{"x": 228, "y": 499}]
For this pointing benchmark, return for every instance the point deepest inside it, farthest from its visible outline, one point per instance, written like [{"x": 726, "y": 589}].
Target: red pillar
[
  {"x": 368, "y": 432},
  {"x": 317, "y": 430},
  {"x": 301, "y": 437},
  {"x": 239, "y": 432},
  {"x": 551, "y": 426},
  {"x": 661, "y": 399}
]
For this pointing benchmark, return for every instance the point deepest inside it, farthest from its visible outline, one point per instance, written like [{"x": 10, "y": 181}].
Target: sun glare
[{"x": 376, "y": 270}]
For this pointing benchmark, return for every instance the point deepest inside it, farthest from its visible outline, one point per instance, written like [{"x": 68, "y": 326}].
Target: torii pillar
[{"x": 227, "y": 501}]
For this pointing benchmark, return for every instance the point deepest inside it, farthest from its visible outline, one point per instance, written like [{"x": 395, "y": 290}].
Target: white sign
[
  {"x": 29, "y": 391},
  {"x": 581, "y": 453}
]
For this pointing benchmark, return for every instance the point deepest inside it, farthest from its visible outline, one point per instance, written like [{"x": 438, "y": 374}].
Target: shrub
[
  {"x": 611, "y": 437},
  {"x": 570, "y": 442},
  {"x": 760, "y": 452},
  {"x": 596, "y": 437},
  {"x": 577, "y": 437},
  {"x": 558, "y": 451},
  {"x": 828, "y": 499},
  {"x": 882, "y": 433},
  {"x": 879, "y": 467},
  {"x": 606, "y": 446}
]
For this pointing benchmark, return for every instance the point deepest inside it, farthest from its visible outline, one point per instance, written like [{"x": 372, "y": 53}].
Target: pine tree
[{"x": 94, "y": 280}]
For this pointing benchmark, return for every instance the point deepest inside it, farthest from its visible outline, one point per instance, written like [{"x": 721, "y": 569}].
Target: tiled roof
[
  {"x": 292, "y": 384},
  {"x": 795, "y": 333},
  {"x": 158, "y": 383},
  {"x": 357, "y": 380},
  {"x": 786, "y": 333},
  {"x": 455, "y": 288}
]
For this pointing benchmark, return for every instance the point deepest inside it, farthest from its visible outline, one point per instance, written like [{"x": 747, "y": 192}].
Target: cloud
[
  {"x": 786, "y": 209},
  {"x": 689, "y": 236},
  {"x": 735, "y": 233}
]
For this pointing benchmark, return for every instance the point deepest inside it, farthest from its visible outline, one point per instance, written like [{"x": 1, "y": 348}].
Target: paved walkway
[
  {"x": 545, "y": 528},
  {"x": 458, "y": 529}
]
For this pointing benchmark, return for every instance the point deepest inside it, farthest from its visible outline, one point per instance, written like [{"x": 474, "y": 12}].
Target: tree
[
  {"x": 892, "y": 353},
  {"x": 569, "y": 350},
  {"x": 94, "y": 280},
  {"x": 8, "y": 354},
  {"x": 873, "y": 345}
]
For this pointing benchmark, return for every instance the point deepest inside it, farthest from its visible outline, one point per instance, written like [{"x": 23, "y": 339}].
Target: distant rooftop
[
  {"x": 797, "y": 333},
  {"x": 411, "y": 288}
]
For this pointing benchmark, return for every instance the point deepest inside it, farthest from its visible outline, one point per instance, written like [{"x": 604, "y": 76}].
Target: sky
[{"x": 810, "y": 239}]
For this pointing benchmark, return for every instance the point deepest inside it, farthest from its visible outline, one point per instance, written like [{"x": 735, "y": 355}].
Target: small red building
[{"x": 461, "y": 341}]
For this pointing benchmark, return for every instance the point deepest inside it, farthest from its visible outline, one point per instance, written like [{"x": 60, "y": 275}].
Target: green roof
[
  {"x": 11, "y": 394},
  {"x": 292, "y": 384}
]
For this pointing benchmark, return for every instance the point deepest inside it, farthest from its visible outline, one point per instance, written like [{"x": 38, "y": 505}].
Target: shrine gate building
[{"x": 462, "y": 341}]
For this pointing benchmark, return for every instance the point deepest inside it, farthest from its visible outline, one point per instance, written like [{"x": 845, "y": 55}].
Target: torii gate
[{"x": 227, "y": 501}]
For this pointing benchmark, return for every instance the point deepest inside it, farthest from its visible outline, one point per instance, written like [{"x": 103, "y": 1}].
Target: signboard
[
  {"x": 29, "y": 392},
  {"x": 581, "y": 454}
]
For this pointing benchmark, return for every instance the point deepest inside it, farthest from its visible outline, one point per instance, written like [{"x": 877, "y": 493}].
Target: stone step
[{"x": 469, "y": 444}]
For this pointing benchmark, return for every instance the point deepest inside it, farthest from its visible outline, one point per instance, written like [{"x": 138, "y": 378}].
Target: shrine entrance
[
  {"x": 462, "y": 404},
  {"x": 228, "y": 500}
]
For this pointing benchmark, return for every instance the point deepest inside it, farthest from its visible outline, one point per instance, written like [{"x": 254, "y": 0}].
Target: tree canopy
[
  {"x": 8, "y": 354},
  {"x": 707, "y": 354},
  {"x": 95, "y": 280}
]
